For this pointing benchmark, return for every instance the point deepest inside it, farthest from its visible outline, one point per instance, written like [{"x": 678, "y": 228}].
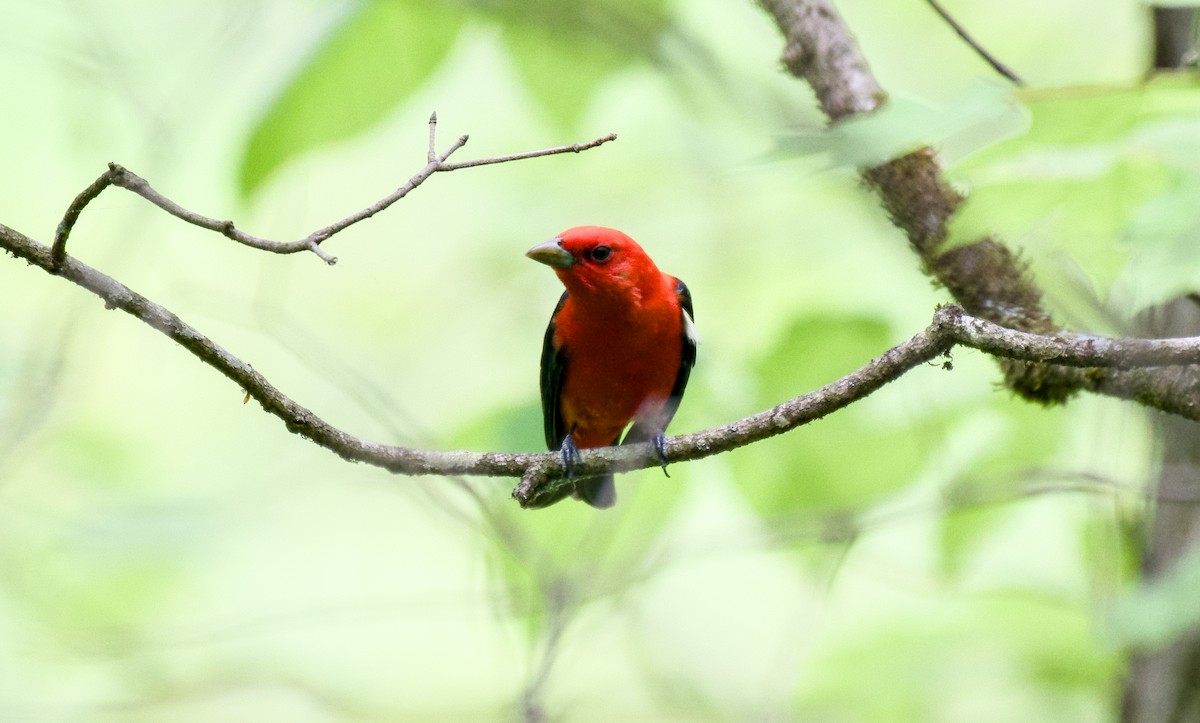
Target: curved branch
[
  {"x": 297, "y": 418},
  {"x": 541, "y": 473},
  {"x": 117, "y": 175}
]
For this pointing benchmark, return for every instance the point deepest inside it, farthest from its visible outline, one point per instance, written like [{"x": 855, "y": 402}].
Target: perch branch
[
  {"x": 540, "y": 473},
  {"x": 117, "y": 175}
]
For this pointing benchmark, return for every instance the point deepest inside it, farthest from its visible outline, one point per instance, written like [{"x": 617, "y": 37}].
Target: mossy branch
[{"x": 985, "y": 275}]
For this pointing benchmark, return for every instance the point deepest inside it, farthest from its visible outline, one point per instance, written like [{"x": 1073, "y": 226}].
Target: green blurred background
[{"x": 938, "y": 552}]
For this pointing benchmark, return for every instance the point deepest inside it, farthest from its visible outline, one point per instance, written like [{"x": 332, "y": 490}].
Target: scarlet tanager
[{"x": 619, "y": 349}]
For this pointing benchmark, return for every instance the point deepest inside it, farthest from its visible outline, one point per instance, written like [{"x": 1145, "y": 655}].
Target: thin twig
[
  {"x": 541, "y": 473},
  {"x": 572, "y": 148},
  {"x": 59, "y": 248},
  {"x": 316, "y": 237},
  {"x": 117, "y": 175},
  {"x": 431, "y": 154},
  {"x": 999, "y": 67}
]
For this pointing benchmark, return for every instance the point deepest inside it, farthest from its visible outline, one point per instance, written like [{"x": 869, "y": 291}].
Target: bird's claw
[
  {"x": 570, "y": 456},
  {"x": 659, "y": 442}
]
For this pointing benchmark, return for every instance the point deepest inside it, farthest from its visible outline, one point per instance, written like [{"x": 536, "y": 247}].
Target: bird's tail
[{"x": 599, "y": 492}]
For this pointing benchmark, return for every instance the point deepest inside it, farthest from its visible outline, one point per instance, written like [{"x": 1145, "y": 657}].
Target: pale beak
[{"x": 552, "y": 253}]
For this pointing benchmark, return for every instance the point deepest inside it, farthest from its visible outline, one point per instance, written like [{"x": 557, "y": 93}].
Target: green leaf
[
  {"x": 582, "y": 64},
  {"x": 983, "y": 115},
  {"x": 1161, "y": 240},
  {"x": 817, "y": 349},
  {"x": 510, "y": 429},
  {"x": 382, "y": 53},
  {"x": 844, "y": 460},
  {"x": 1104, "y": 177},
  {"x": 854, "y": 458},
  {"x": 565, "y": 51},
  {"x": 1156, "y": 613}
]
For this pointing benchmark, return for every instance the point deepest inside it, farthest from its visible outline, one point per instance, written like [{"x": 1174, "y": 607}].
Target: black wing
[
  {"x": 554, "y": 363},
  {"x": 596, "y": 491},
  {"x": 687, "y": 360}
]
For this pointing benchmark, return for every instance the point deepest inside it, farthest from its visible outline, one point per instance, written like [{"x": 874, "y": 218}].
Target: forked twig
[{"x": 117, "y": 175}]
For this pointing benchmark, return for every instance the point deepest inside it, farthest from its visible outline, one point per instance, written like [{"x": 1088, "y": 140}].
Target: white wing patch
[{"x": 689, "y": 328}]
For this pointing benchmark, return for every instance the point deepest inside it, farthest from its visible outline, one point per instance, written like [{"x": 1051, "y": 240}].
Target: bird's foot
[
  {"x": 570, "y": 456},
  {"x": 660, "y": 450}
]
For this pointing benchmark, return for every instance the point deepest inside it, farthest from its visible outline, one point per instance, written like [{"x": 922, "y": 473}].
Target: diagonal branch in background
[
  {"x": 436, "y": 162},
  {"x": 820, "y": 50},
  {"x": 988, "y": 58},
  {"x": 541, "y": 473},
  {"x": 985, "y": 276}
]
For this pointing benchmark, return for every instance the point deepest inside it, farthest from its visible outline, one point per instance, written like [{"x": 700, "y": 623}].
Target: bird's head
[{"x": 595, "y": 259}]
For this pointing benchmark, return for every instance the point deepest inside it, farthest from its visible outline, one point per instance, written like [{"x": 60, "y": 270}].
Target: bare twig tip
[
  {"x": 322, "y": 253},
  {"x": 988, "y": 58}
]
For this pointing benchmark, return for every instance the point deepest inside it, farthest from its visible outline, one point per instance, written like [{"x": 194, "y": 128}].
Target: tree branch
[
  {"x": 541, "y": 473},
  {"x": 820, "y": 50},
  {"x": 988, "y": 58},
  {"x": 116, "y": 175},
  {"x": 985, "y": 276}
]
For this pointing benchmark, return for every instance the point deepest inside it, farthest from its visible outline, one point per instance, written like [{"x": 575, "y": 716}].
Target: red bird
[{"x": 619, "y": 349}]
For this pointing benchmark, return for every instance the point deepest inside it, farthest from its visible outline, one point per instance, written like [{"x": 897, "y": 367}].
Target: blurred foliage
[
  {"x": 983, "y": 114},
  {"x": 1157, "y": 613},
  {"x": 385, "y": 49},
  {"x": 814, "y": 471},
  {"x": 961, "y": 662},
  {"x": 381, "y": 53},
  {"x": 1104, "y": 177},
  {"x": 938, "y": 551}
]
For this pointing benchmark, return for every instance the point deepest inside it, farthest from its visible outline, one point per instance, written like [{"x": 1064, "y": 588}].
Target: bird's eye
[{"x": 601, "y": 253}]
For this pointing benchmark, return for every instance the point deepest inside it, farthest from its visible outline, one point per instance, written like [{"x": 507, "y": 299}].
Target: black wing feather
[{"x": 554, "y": 363}]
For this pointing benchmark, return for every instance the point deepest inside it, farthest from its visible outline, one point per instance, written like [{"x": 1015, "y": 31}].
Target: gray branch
[
  {"x": 821, "y": 50},
  {"x": 541, "y": 473}
]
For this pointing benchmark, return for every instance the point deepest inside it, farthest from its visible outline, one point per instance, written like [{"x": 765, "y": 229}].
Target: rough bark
[{"x": 1164, "y": 683}]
